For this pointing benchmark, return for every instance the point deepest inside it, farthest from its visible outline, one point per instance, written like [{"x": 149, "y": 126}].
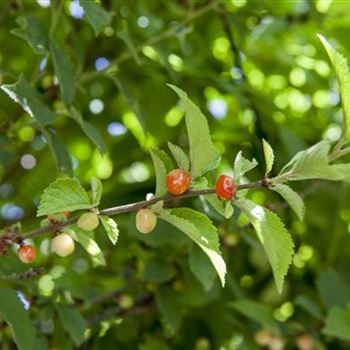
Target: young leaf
[
  {"x": 30, "y": 100},
  {"x": 96, "y": 191},
  {"x": 64, "y": 70},
  {"x": 273, "y": 236},
  {"x": 111, "y": 228},
  {"x": 87, "y": 240},
  {"x": 97, "y": 16},
  {"x": 242, "y": 165},
  {"x": 180, "y": 156},
  {"x": 203, "y": 154},
  {"x": 14, "y": 314},
  {"x": 63, "y": 194},
  {"x": 338, "y": 323},
  {"x": 342, "y": 71},
  {"x": 269, "y": 157},
  {"x": 292, "y": 198},
  {"x": 200, "y": 229},
  {"x": 162, "y": 165},
  {"x": 72, "y": 321}
]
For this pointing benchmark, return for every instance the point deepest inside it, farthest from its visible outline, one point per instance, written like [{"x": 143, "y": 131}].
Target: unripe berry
[
  {"x": 263, "y": 337},
  {"x": 276, "y": 343},
  {"x": 225, "y": 187},
  {"x": 304, "y": 342},
  {"x": 27, "y": 253},
  {"x": 178, "y": 181},
  {"x": 63, "y": 245},
  {"x": 88, "y": 221},
  {"x": 146, "y": 220},
  {"x": 126, "y": 301}
]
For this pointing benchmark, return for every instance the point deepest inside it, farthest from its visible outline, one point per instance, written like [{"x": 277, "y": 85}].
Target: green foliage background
[{"x": 265, "y": 62}]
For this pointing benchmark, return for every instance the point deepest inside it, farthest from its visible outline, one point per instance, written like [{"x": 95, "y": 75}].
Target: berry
[
  {"x": 66, "y": 213},
  {"x": 146, "y": 220},
  {"x": 263, "y": 337},
  {"x": 178, "y": 181},
  {"x": 225, "y": 187},
  {"x": 276, "y": 343},
  {"x": 304, "y": 342},
  {"x": 27, "y": 253},
  {"x": 88, "y": 221},
  {"x": 63, "y": 245}
]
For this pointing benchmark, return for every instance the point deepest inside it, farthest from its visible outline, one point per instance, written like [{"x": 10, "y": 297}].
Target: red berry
[
  {"x": 178, "y": 181},
  {"x": 225, "y": 187},
  {"x": 66, "y": 213},
  {"x": 27, "y": 253}
]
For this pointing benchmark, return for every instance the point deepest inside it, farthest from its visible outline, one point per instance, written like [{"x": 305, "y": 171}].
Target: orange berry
[
  {"x": 178, "y": 181},
  {"x": 27, "y": 253},
  {"x": 225, "y": 187}
]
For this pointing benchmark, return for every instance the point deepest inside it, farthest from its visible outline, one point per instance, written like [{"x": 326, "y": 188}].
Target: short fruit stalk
[
  {"x": 146, "y": 220},
  {"x": 63, "y": 244},
  {"x": 178, "y": 181},
  {"x": 27, "y": 253},
  {"x": 225, "y": 187},
  {"x": 88, "y": 221}
]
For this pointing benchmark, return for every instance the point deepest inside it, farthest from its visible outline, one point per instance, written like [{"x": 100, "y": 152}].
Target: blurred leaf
[
  {"x": 342, "y": 70},
  {"x": 14, "y": 314},
  {"x": 180, "y": 156},
  {"x": 111, "y": 228},
  {"x": 242, "y": 165},
  {"x": 96, "y": 191},
  {"x": 273, "y": 236},
  {"x": 199, "y": 228},
  {"x": 224, "y": 208},
  {"x": 338, "y": 323},
  {"x": 309, "y": 305},
  {"x": 30, "y": 100},
  {"x": 124, "y": 34},
  {"x": 97, "y": 16},
  {"x": 292, "y": 198},
  {"x": 153, "y": 344},
  {"x": 203, "y": 154},
  {"x": 72, "y": 321},
  {"x": 63, "y": 194},
  {"x": 269, "y": 157},
  {"x": 64, "y": 70},
  {"x": 158, "y": 271},
  {"x": 162, "y": 165}
]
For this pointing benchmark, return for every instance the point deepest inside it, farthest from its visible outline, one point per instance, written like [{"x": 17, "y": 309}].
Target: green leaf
[
  {"x": 203, "y": 154},
  {"x": 111, "y": 228},
  {"x": 292, "y": 198},
  {"x": 341, "y": 67},
  {"x": 96, "y": 191},
  {"x": 338, "y": 323},
  {"x": 63, "y": 194},
  {"x": 242, "y": 165},
  {"x": 344, "y": 170},
  {"x": 269, "y": 157},
  {"x": 162, "y": 165},
  {"x": 273, "y": 236},
  {"x": 62, "y": 157},
  {"x": 309, "y": 305},
  {"x": 30, "y": 100},
  {"x": 200, "y": 229},
  {"x": 158, "y": 270},
  {"x": 256, "y": 312},
  {"x": 87, "y": 240},
  {"x": 97, "y": 16},
  {"x": 32, "y": 31},
  {"x": 65, "y": 71},
  {"x": 124, "y": 34},
  {"x": 201, "y": 268},
  {"x": 224, "y": 208},
  {"x": 14, "y": 314},
  {"x": 90, "y": 130},
  {"x": 180, "y": 156},
  {"x": 72, "y": 321}
]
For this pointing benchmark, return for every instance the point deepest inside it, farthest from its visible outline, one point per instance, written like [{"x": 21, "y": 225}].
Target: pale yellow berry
[
  {"x": 88, "y": 221},
  {"x": 146, "y": 220},
  {"x": 63, "y": 244},
  {"x": 304, "y": 342},
  {"x": 276, "y": 343},
  {"x": 263, "y": 337}
]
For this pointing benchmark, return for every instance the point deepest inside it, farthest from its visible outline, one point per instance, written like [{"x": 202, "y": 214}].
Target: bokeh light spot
[
  {"x": 76, "y": 10},
  {"x": 143, "y": 22},
  {"x": 28, "y": 161},
  {"x": 218, "y": 108},
  {"x": 116, "y": 129},
  {"x": 101, "y": 63},
  {"x": 96, "y": 106}
]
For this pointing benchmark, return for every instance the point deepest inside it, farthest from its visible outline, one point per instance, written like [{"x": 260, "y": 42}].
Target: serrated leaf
[
  {"x": 292, "y": 198},
  {"x": 269, "y": 157},
  {"x": 162, "y": 165},
  {"x": 200, "y": 229},
  {"x": 338, "y": 323},
  {"x": 274, "y": 237},
  {"x": 224, "y": 208},
  {"x": 72, "y": 321},
  {"x": 32, "y": 31},
  {"x": 96, "y": 191},
  {"x": 97, "y": 16},
  {"x": 111, "y": 228},
  {"x": 203, "y": 154},
  {"x": 14, "y": 314},
  {"x": 87, "y": 240},
  {"x": 341, "y": 67},
  {"x": 180, "y": 156},
  {"x": 242, "y": 165},
  {"x": 63, "y": 194},
  {"x": 124, "y": 34},
  {"x": 256, "y": 311},
  {"x": 30, "y": 100},
  {"x": 62, "y": 157},
  {"x": 64, "y": 71}
]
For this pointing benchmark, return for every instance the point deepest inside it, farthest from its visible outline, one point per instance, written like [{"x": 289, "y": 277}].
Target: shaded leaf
[
  {"x": 124, "y": 34},
  {"x": 224, "y": 208},
  {"x": 162, "y": 165},
  {"x": 180, "y": 156},
  {"x": 111, "y": 228},
  {"x": 338, "y": 323},
  {"x": 309, "y": 305}
]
